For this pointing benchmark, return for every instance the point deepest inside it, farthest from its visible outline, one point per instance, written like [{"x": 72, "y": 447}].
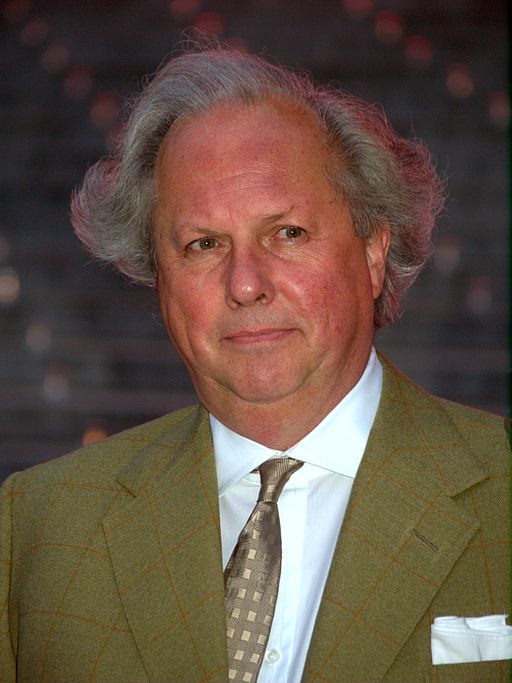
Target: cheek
[
  {"x": 320, "y": 299},
  {"x": 335, "y": 298},
  {"x": 171, "y": 304},
  {"x": 186, "y": 310}
]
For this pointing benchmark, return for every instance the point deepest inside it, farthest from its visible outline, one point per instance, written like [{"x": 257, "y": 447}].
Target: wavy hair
[{"x": 386, "y": 179}]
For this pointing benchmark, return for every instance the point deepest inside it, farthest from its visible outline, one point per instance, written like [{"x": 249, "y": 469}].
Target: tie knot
[{"x": 274, "y": 474}]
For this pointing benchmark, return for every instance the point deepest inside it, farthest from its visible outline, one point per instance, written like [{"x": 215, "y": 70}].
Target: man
[{"x": 280, "y": 224}]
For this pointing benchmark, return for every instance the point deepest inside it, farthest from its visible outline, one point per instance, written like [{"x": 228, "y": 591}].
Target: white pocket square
[{"x": 471, "y": 639}]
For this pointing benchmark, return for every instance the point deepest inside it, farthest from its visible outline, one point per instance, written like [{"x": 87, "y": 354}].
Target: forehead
[{"x": 234, "y": 138}]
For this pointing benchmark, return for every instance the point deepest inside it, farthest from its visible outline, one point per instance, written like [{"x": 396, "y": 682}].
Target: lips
[{"x": 258, "y": 336}]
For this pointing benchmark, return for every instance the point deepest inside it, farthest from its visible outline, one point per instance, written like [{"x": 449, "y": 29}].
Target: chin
[
  {"x": 263, "y": 391},
  {"x": 261, "y": 398}
]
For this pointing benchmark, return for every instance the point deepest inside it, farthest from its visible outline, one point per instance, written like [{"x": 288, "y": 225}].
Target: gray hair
[{"x": 386, "y": 179}]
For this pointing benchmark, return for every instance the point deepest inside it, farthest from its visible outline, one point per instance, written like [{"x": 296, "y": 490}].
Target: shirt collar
[{"x": 337, "y": 443}]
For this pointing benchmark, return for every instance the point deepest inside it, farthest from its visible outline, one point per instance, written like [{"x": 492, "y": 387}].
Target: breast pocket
[{"x": 473, "y": 672}]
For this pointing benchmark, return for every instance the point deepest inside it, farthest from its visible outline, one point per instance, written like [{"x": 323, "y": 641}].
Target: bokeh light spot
[
  {"x": 209, "y": 23},
  {"x": 104, "y": 109},
  {"x": 388, "y": 27},
  {"x": 357, "y": 9},
  {"x": 78, "y": 81},
  {"x": 447, "y": 254},
  {"x": 184, "y": 9},
  {"x": 479, "y": 295},
  {"x": 93, "y": 434},
  {"x": 16, "y": 10},
  {"x": 499, "y": 110},
  {"x": 55, "y": 57},
  {"x": 419, "y": 50},
  {"x": 34, "y": 33},
  {"x": 459, "y": 81},
  {"x": 38, "y": 337},
  {"x": 9, "y": 286},
  {"x": 56, "y": 385}
]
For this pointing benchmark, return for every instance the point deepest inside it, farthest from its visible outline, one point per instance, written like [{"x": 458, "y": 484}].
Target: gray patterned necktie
[{"x": 252, "y": 575}]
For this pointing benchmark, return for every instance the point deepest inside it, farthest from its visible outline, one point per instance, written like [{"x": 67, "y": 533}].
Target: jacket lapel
[
  {"x": 165, "y": 552},
  {"x": 401, "y": 535}
]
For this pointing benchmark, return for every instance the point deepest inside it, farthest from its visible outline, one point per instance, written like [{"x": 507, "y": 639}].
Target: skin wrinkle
[{"x": 240, "y": 175}]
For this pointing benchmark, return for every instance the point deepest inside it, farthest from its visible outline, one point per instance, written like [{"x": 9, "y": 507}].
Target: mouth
[{"x": 258, "y": 336}]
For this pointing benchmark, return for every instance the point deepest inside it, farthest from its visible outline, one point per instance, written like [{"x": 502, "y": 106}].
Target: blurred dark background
[{"x": 84, "y": 354}]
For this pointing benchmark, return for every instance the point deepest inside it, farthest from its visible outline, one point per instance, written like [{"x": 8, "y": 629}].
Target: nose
[{"x": 248, "y": 279}]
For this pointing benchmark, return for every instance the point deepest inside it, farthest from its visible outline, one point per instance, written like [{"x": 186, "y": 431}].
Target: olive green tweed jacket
[{"x": 110, "y": 561}]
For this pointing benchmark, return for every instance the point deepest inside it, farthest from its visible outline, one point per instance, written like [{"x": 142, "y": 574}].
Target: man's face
[{"x": 265, "y": 289}]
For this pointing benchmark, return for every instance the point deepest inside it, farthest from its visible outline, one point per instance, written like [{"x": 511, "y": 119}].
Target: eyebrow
[
  {"x": 263, "y": 219},
  {"x": 273, "y": 217}
]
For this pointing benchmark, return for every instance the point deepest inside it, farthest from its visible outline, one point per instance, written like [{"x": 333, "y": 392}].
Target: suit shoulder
[
  {"x": 486, "y": 432},
  {"x": 465, "y": 417},
  {"x": 102, "y": 460},
  {"x": 443, "y": 422}
]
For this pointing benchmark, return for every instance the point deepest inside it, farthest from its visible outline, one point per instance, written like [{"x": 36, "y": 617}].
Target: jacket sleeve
[{"x": 7, "y": 658}]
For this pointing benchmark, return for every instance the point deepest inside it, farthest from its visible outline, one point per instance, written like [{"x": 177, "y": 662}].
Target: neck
[{"x": 277, "y": 424}]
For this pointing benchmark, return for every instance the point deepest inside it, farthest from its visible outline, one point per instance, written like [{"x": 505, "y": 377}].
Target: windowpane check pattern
[{"x": 252, "y": 575}]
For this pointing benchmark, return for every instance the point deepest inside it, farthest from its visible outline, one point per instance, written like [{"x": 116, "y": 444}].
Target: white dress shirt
[{"x": 311, "y": 510}]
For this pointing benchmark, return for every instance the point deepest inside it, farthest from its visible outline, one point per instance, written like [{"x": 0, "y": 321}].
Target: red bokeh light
[
  {"x": 34, "y": 32},
  {"x": 459, "y": 81},
  {"x": 499, "y": 109},
  {"x": 104, "y": 109},
  {"x": 184, "y": 9},
  {"x": 419, "y": 50},
  {"x": 16, "y": 10},
  {"x": 389, "y": 27},
  {"x": 55, "y": 57},
  {"x": 93, "y": 434},
  {"x": 358, "y": 9},
  {"x": 78, "y": 81},
  {"x": 209, "y": 23}
]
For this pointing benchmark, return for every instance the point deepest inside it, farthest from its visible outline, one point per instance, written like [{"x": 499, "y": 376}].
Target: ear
[{"x": 376, "y": 248}]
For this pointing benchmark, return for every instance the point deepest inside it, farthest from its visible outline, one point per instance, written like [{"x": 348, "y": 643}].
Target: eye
[
  {"x": 203, "y": 244},
  {"x": 291, "y": 232}
]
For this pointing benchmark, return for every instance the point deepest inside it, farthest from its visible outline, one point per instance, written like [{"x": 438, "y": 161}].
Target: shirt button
[{"x": 272, "y": 656}]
